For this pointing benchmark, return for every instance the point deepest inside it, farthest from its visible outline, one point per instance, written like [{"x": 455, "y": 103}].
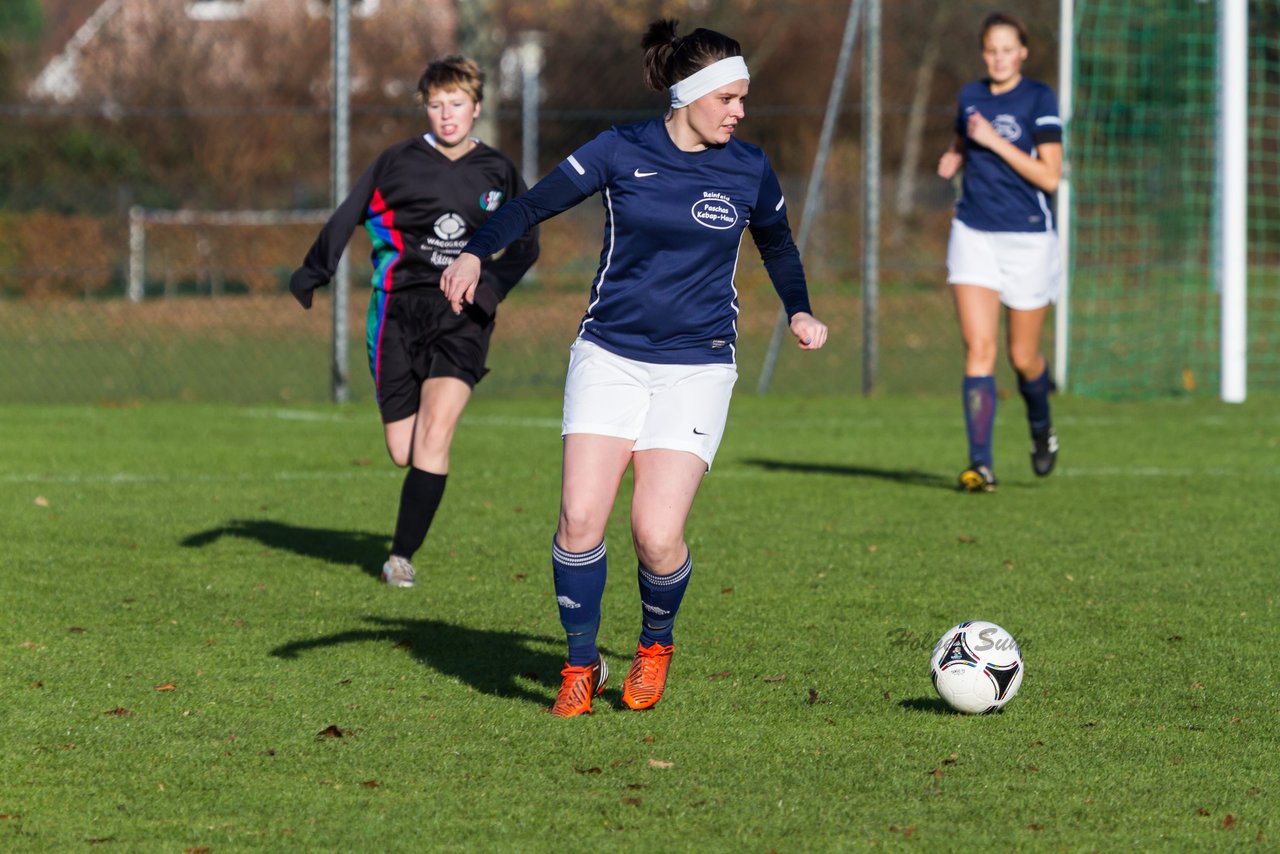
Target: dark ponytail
[{"x": 669, "y": 58}]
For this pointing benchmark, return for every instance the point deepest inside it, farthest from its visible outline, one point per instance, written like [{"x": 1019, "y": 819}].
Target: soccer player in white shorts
[
  {"x": 653, "y": 366},
  {"x": 1003, "y": 249}
]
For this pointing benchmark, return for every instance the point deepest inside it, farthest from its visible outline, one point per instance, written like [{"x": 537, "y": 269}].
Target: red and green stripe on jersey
[{"x": 388, "y": 249}]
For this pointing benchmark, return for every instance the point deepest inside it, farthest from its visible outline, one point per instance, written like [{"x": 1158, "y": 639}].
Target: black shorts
[{"x": 413, "y": 336}]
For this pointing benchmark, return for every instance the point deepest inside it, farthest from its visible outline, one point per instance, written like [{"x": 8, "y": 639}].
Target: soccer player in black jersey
[{"x": 420, "y": 201}]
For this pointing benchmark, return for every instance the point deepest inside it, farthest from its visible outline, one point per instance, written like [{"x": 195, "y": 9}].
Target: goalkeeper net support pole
[
  {"x": 813, "y": 193},
  {"x": 341, "y": 156},
  {"x": 871, "y": 196}
]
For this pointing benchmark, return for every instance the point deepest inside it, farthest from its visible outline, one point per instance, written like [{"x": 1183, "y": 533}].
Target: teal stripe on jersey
[{"x": 373, "y": 322}]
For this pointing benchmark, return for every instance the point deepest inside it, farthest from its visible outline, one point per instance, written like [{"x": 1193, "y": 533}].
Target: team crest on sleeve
[
  {"x": 714, "y": 210},
  {"x": 1007, "y": 126},
  {"x": 491, "y": 200}
]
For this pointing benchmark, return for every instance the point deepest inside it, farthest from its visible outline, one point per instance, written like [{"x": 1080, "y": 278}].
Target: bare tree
[
  {"x": 909, "y": 167},
  {"x": 480, "y": 38}
]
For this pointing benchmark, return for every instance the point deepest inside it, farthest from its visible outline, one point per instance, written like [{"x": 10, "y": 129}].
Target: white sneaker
[{"x": 397, "y": 572}]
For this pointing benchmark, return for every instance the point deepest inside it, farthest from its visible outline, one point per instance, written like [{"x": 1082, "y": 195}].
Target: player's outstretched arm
[
  {"x": 518, "y": 217},
  {"x": 322, "y": 258},
  {"x": 810, "y": 332}
]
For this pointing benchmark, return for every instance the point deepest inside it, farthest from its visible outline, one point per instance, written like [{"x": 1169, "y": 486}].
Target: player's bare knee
[
  {"x": 980, "y": 355},
  {"x": 657, "y": 548},
  {"x": 580, "y": 529},
  {"x": 433, "y": 447},
  {"x": 1026, "y": 362}
]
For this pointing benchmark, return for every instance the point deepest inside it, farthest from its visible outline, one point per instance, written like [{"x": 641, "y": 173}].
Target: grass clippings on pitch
[{"x": 196, "y": 653}]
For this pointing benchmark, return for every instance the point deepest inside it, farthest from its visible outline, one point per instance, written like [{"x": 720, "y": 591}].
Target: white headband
[{"x": 708, "y": 79}]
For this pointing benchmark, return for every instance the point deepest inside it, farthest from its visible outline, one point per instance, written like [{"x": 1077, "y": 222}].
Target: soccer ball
[{"x": 976, "y": 667}]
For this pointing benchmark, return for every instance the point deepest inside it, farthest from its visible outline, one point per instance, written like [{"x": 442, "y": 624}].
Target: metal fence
[{"x": 146, "y": 248}]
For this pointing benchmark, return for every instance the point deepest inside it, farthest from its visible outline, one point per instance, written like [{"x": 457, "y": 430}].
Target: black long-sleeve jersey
[{"x": 420, "y": 208}]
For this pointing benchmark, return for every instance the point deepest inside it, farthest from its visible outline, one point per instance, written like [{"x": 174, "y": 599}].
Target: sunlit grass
[{"x": 195, "y": 652}]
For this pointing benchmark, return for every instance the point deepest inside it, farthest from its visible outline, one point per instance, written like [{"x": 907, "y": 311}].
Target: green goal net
[{"x": 1144, "y": 302}]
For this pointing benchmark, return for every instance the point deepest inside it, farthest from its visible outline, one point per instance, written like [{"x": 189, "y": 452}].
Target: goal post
[
  {"x": 1062, "y": 311},
  {"x": 1169, "y": 208},
  {"x": 1233, "y": 193}
]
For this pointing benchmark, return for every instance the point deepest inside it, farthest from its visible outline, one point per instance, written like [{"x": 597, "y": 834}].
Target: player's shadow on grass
[
  {"x": 909, "y": 477},
  {"x": 499, "y": 663},
  {"x": 343, "y": 548}
]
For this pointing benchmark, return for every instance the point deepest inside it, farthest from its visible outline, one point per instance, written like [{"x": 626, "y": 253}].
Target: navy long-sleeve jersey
[
  {"x": 664, "y": 291},
  {"x": 420, "y": 208}
]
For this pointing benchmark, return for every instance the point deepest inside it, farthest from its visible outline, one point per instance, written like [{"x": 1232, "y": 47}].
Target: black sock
[
  {"x": 419, "y": 498},
  {"x": 1036, "y": 394}
]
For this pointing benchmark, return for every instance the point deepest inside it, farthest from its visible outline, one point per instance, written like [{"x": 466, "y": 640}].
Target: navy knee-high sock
[
  {"x": 980, "y": 417},
  {"x": 660, "y": 597},
  {"x": 1036, "y": 394},
  {"x": 579, "y": 580},
  {"x": 419, "y": 499}
]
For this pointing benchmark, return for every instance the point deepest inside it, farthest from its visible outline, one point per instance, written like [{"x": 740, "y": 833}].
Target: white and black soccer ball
[{"x": 976, "y": 667}]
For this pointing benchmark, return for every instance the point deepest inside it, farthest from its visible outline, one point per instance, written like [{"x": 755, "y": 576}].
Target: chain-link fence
[{"x": 201, "y": 309}]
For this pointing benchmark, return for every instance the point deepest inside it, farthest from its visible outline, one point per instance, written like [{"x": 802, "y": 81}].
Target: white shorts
[
  {"x": 677, "y": 407},
  {"x": 1023, "y": 266}
]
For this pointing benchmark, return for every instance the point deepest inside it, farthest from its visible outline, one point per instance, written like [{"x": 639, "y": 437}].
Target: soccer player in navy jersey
[
  {"x": 652, "y": 368},
  {"x": 1003, "y": 248},
  {"x": 420, "y": 201}
]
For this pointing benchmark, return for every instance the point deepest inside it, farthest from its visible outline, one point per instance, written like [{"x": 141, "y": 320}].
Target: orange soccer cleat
[
  {"x": 648, "y": 676},
  {"x": 579, "y": 686}
]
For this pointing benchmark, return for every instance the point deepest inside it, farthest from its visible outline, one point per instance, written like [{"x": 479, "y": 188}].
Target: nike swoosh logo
[
  {"x": 698, "y": 432},
  {"x": 640, "y": 174}
]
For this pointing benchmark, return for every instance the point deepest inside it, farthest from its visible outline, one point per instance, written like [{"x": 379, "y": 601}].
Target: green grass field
[{"x": 196, "y": 655}]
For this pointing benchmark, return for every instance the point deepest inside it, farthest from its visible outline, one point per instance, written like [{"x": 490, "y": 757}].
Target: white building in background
[{"x": 116, "y": 40}]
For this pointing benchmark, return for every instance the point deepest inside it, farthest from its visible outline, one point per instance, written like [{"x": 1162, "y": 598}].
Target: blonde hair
[{"x": 451, "y": 72}]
